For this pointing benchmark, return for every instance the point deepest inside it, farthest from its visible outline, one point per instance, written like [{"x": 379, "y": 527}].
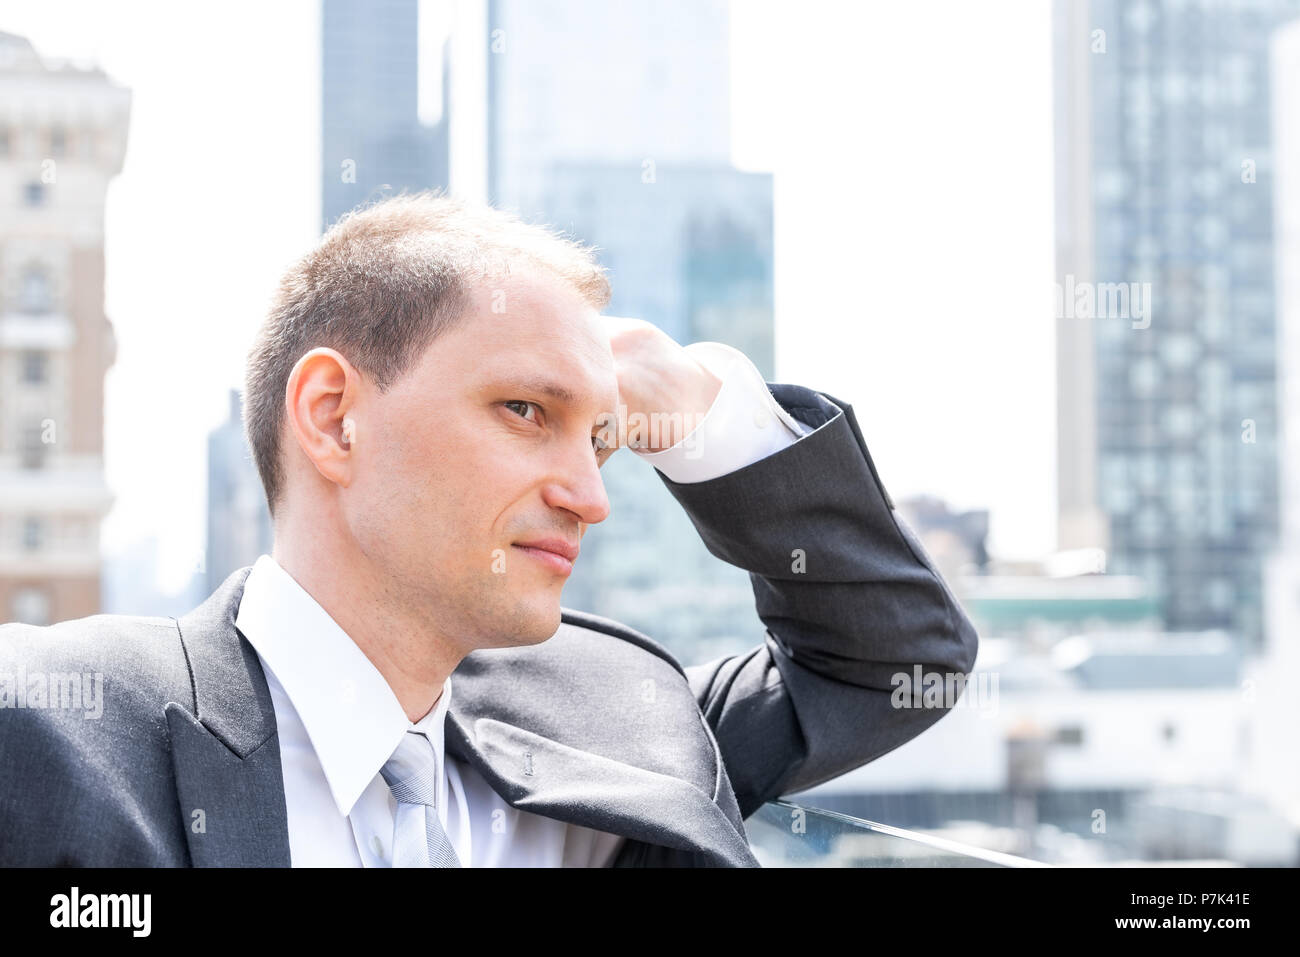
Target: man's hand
[{"x": 663, "y": 392}]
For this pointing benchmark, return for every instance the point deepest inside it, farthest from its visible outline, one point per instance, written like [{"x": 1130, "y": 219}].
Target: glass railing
[{"x": 783, "y": 834}]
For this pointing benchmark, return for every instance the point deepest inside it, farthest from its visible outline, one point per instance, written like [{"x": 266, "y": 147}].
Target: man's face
[{"x": 471, "y": 455}]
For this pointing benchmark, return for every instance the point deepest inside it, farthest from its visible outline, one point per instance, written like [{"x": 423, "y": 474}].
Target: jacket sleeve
[{"x": 850, "y": 601}]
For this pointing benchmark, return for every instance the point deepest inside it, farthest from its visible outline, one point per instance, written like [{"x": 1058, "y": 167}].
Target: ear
[{"x": 320, "y": 407}]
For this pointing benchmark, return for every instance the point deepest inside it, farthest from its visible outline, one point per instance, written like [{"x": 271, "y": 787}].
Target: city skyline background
[{"x": 860, "y": 185}]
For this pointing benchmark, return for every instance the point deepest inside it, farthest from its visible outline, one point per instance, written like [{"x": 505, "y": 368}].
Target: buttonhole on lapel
[{"x": 528, "y": 763}]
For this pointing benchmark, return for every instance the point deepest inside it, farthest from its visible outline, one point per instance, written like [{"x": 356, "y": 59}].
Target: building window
[
  {"x": 37, "y": 296},
  {"x": 34, "y": 194},
  {"x": 33, "y": 449},
  {"x": 31, "y": 606},
  {"x": 33, "y": 533},
  {"x": 34, "y": 368},
  {"x": 1070, "y": 735}
]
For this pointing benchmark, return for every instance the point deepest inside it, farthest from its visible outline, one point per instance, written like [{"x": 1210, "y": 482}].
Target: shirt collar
[{"x": 351, "y": 715}]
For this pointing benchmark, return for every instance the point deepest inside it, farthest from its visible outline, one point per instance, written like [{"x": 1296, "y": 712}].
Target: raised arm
[{"x": 849, "y": 598}]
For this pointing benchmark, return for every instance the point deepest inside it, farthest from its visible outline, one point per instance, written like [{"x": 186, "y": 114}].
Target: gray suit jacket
[{"x": 598, "y": 726}]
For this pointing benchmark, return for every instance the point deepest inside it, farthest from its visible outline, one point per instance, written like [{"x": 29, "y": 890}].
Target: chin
[
  {"x": 547, "y": 625},
  {"x": 535, "y": 621}
]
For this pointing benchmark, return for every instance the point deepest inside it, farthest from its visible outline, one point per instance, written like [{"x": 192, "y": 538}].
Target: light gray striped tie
[{"x": 418, "y": 837}]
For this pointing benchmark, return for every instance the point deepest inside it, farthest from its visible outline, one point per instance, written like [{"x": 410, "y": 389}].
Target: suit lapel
[
  {"x": 543, "y": 776},
  {"x": 226, "y": 757},
  {"x": 226, "y": 754}
]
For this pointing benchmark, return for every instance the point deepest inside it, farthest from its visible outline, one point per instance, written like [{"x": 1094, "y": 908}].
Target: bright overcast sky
[{"x": 911, "y": 146}]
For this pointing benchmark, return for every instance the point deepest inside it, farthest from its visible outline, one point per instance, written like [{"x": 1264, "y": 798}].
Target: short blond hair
[{"x": 381, "y": 285}]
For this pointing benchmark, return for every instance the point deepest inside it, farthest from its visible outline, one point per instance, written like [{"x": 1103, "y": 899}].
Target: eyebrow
[{"x": 541, "y": 386}]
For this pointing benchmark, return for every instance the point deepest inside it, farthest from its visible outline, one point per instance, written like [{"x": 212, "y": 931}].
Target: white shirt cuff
[{"x": 744, "y": 424}]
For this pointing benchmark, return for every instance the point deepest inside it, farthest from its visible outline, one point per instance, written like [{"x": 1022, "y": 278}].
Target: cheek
[
  {"x": 396, "y": 477},
  {"x": 447, "y": 486},
  {"x": 407, "y": 454},
  {"x": 439, "y": 484}
]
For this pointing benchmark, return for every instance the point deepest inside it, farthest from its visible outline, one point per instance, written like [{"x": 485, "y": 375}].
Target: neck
[{"x": 411, "y": 655}]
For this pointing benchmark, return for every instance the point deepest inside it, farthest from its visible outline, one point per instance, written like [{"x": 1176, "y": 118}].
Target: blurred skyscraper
[
  {"x": 239, "y": 524},
  {"x": 1274, "y": 772},
  {"x": 373, "y": 142},
  {"x": 612, "y": 122},
  {"x": 1168, "y": 422},
  {"x": 583, "y": 81},
  {"x": 372, "y": 138},
  {"x": 63, "y": 132}
]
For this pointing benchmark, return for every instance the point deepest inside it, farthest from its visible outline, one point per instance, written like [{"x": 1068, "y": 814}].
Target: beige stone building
[{"x": 63, "y": 131}]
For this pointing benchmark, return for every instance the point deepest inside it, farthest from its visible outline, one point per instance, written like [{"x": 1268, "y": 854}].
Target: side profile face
[{"x": 487, "y": 443}]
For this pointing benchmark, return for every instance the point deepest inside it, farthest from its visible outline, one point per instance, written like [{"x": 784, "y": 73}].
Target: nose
[{"x": 579, "y": 489}]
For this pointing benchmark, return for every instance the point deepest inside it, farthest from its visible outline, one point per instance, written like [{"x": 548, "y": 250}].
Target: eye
[
  {"x": 526, "y": 404},
  {"x": 603, "y": 449}
]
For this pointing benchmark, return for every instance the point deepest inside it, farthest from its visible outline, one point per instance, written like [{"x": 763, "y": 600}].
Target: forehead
[{"x": 533, "y": 328}]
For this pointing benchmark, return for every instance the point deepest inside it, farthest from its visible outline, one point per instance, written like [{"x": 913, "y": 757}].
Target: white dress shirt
[{"x": 339, "y": 721}]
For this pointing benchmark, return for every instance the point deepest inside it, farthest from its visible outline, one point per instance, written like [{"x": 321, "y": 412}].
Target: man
[{"x": 429, "y": 403}]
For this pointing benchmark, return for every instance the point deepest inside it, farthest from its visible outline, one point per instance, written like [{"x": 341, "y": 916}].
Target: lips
[
  {"x": 559, "y": 546},
  {"x": 555, "y": 554}
]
